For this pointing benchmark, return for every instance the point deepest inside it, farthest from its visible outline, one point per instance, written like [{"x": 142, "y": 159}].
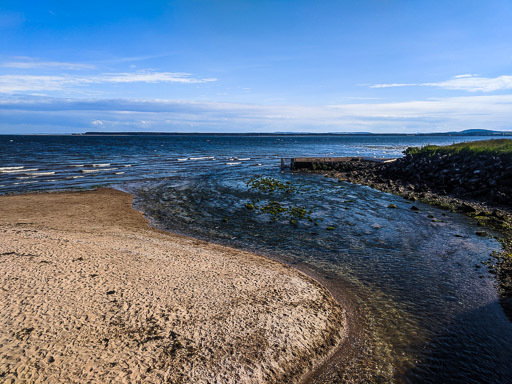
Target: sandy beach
[{"x": 90, "y": 293}]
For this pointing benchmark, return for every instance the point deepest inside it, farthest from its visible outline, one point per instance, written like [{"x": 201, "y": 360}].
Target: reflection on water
[{"x": 428, "y": 315}]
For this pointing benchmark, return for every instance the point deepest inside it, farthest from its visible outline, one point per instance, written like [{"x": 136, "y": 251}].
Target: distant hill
[
  {"x": 479, "y": 132},
  {"x": 467, "y": 132}
]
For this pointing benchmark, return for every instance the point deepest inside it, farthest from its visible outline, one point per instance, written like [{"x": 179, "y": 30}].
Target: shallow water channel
[{"x": 424, "y": 311}]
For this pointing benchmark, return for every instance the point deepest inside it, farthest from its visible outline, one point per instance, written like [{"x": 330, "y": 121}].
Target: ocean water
[{"x": 423, "y": 311}]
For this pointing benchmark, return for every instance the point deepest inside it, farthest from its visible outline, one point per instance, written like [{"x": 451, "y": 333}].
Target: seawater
[{"x": 425, "y": 312}]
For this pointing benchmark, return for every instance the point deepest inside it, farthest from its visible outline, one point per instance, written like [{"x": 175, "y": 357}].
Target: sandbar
[{"x": 89, "y": 292}]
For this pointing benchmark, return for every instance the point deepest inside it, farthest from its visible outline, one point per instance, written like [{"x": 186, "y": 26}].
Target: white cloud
[
  {"x": 24, "y": 83},
  {"x": 46, "y": 64},
  {"x": 465, "y": 82},
  {"x": 446, "y": 114},
  {"x": 149, "y": 77},
  {"x": 464, "y": 75},
  {"x": 392, "y": 85}
]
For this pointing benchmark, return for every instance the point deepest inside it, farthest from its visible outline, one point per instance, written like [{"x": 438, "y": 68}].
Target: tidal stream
[{"x": 427, "y": 312}]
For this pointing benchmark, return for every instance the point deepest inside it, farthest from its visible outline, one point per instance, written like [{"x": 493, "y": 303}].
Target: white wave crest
[
  {"x": 36, "y": 174},
  {"x": 97, "y": 170},
  {"x": 202, "y": 158},
  {"x": 20, "y": 170}
]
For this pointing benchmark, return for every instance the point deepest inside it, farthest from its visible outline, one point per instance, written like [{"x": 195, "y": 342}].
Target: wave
[
  {"x": 19, "y": 170},
  {"x": 119, "y": 173},
  {"x": 39, "y": 173},
  {"x": 183, "y": 159},
  {"x": 97, "y": 170},
  {"x": 234, "y": 163},
  {"x": 247, "y": 158},
  {"x": 202, "y": 158},
  {"x": 9, "y": 168},
  {"x": 77, "y": 165},
  {"x": 101, "y": 165},
  {"x": 127, "y": 165},
  {"x": 74, "y": 177}
]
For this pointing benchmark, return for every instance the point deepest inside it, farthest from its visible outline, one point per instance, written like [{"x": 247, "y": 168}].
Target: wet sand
[{"x": 90, "y": 293}]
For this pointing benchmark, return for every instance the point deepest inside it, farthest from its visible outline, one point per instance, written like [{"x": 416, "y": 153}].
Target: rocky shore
[{"x": 478, "y": 185}]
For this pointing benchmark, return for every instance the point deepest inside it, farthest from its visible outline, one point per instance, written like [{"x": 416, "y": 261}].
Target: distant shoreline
[
  {"x": 466, "y": 133},
  {"x": 294, "y": 134}
]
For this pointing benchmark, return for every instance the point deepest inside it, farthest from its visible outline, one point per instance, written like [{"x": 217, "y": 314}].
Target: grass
[{"x": 497, "y": 147}]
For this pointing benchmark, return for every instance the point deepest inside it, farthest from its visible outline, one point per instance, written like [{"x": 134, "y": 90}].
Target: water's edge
[{"x": 334, "y": 356}]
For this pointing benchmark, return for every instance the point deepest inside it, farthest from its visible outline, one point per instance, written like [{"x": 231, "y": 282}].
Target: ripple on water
[{"x": 414, "y": 280}]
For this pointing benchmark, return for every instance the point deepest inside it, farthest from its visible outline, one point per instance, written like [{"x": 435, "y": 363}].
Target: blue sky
[{"x": 255, "y": 66}]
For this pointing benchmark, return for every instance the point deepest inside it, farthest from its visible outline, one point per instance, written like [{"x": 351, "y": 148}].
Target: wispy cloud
[
  {"x": 446, "y": 114},
  {"x": 10, "y": 19},
  {"x": 47, "y": 65},
  {"x": 150, "y": 77},
  {"x": 24, "y": 83},
  {"x": 465, "y": 82}
]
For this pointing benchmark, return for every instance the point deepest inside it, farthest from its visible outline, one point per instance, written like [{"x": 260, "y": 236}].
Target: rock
[
  {"x": 465, "y": 208},
  {"x": 415, "y": 208},
  {"x": 391, "y": 206}
]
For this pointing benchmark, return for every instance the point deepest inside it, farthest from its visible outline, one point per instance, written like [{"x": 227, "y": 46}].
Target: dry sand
[{"x": 89, "y": 293}]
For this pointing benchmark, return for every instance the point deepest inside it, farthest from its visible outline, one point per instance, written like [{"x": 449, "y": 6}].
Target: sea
[{"x": 423, "y": 305}]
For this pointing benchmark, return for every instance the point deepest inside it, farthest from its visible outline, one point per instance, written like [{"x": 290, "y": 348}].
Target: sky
[{"x": 403, "y": 66}]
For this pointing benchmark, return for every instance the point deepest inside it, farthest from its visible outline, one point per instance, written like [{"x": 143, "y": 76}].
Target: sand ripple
[{"x": 89, "y": 293}]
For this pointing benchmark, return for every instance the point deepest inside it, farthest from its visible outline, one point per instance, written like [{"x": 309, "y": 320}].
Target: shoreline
[{"x": 86, "y": 276}]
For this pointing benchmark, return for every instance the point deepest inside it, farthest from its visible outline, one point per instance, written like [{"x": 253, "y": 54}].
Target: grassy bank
[{"x": 496, "y": 147}]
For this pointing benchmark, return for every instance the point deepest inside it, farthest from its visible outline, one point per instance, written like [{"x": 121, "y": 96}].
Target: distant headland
[{"x": 468, "y": 132}]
